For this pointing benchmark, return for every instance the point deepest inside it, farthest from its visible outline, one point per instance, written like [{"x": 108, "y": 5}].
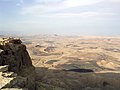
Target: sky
[{"x": 66, "y": 17}]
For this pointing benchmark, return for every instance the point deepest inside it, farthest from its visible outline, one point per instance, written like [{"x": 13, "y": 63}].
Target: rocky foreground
[{"x": 16, "y": 69}]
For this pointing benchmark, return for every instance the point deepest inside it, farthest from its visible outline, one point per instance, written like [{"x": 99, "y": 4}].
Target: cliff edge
[{"x": 14, "y": 54}]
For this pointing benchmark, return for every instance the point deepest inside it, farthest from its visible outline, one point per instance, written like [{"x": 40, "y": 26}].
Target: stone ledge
[{"x": 4, "y": 68}]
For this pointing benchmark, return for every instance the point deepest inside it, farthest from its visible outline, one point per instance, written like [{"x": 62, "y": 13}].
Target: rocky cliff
[{"x": 14, "y": 54}]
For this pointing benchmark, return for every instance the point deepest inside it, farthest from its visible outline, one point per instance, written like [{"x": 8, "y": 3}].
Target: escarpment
[{"x": 14, "y": 54}]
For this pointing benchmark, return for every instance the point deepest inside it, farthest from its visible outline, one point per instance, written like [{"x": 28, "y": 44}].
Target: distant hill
[
  {"x": 2, "y": 35},
  {"x": 9, "y": 32}
]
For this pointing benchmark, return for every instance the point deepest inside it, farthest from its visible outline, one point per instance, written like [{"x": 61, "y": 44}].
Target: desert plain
[{"x": 75, "y": 62}]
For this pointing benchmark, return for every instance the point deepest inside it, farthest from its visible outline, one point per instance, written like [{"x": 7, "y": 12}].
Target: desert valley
[
  {"x": 75, "y": 62},
  {"x": 63, "y": 62}
]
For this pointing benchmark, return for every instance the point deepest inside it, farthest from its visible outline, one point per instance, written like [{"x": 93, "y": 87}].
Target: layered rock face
[{"x": 14, "y": 54}]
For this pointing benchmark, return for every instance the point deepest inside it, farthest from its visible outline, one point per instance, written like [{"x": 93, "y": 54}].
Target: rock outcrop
[
  {"x": 14, "y": 54},
  {"x": 7, "y": 79}
]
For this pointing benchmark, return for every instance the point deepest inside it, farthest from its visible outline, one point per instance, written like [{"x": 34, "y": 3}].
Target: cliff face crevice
[{"x": 14, "y": 54}]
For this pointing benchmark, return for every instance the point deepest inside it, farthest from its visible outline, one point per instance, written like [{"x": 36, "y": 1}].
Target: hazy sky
[{"x": 77, "y": 17}]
